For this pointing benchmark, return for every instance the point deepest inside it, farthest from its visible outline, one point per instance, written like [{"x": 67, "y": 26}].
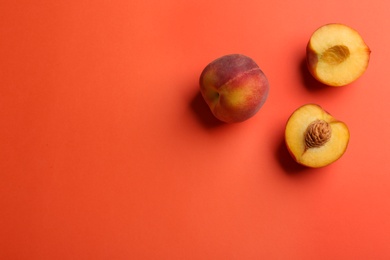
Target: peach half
[
  {"x": 314, "y": 138},
  {"x": 337, "y": 55},
  {"x": 234, "y": 87}
]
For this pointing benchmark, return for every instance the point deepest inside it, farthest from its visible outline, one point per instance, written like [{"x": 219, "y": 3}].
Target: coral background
[{"x": 107, "y": 150}]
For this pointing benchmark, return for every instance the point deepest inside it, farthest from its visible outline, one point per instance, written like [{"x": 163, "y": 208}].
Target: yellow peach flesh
[
  {"x": 320, "y": 156},
  {"x": 341, "y": 55}
]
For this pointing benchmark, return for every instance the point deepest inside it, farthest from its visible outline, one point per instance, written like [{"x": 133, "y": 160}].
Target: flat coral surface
[{"x": 107, "y": 150}]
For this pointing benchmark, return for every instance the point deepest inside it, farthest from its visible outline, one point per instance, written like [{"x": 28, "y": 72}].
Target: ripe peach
[
  {"x": 336, "y": 55},
  {"x": 234, "y": 87},
  {"x": 314, "y": 138}
]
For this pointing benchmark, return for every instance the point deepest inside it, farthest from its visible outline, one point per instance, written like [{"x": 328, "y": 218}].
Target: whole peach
[{"x": 234, "y": 87}]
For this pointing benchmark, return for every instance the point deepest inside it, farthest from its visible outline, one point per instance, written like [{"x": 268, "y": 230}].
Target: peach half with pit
[
  {"x": 315, "y": 138},
  {"x": 337, "y": 55},
  {"x": 234, "y": 87}
]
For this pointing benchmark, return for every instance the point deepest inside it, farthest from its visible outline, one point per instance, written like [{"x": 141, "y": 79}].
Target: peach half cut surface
[
  {"x": 314, "y": 138},
  {"x": 337, "y": 55}
]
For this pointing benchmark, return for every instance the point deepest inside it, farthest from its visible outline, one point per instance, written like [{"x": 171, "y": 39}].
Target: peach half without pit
[
  {"x": 234, "y": 87},
  {"x": 337, "y": 55},
  {"x": 314, "y": 138}
]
